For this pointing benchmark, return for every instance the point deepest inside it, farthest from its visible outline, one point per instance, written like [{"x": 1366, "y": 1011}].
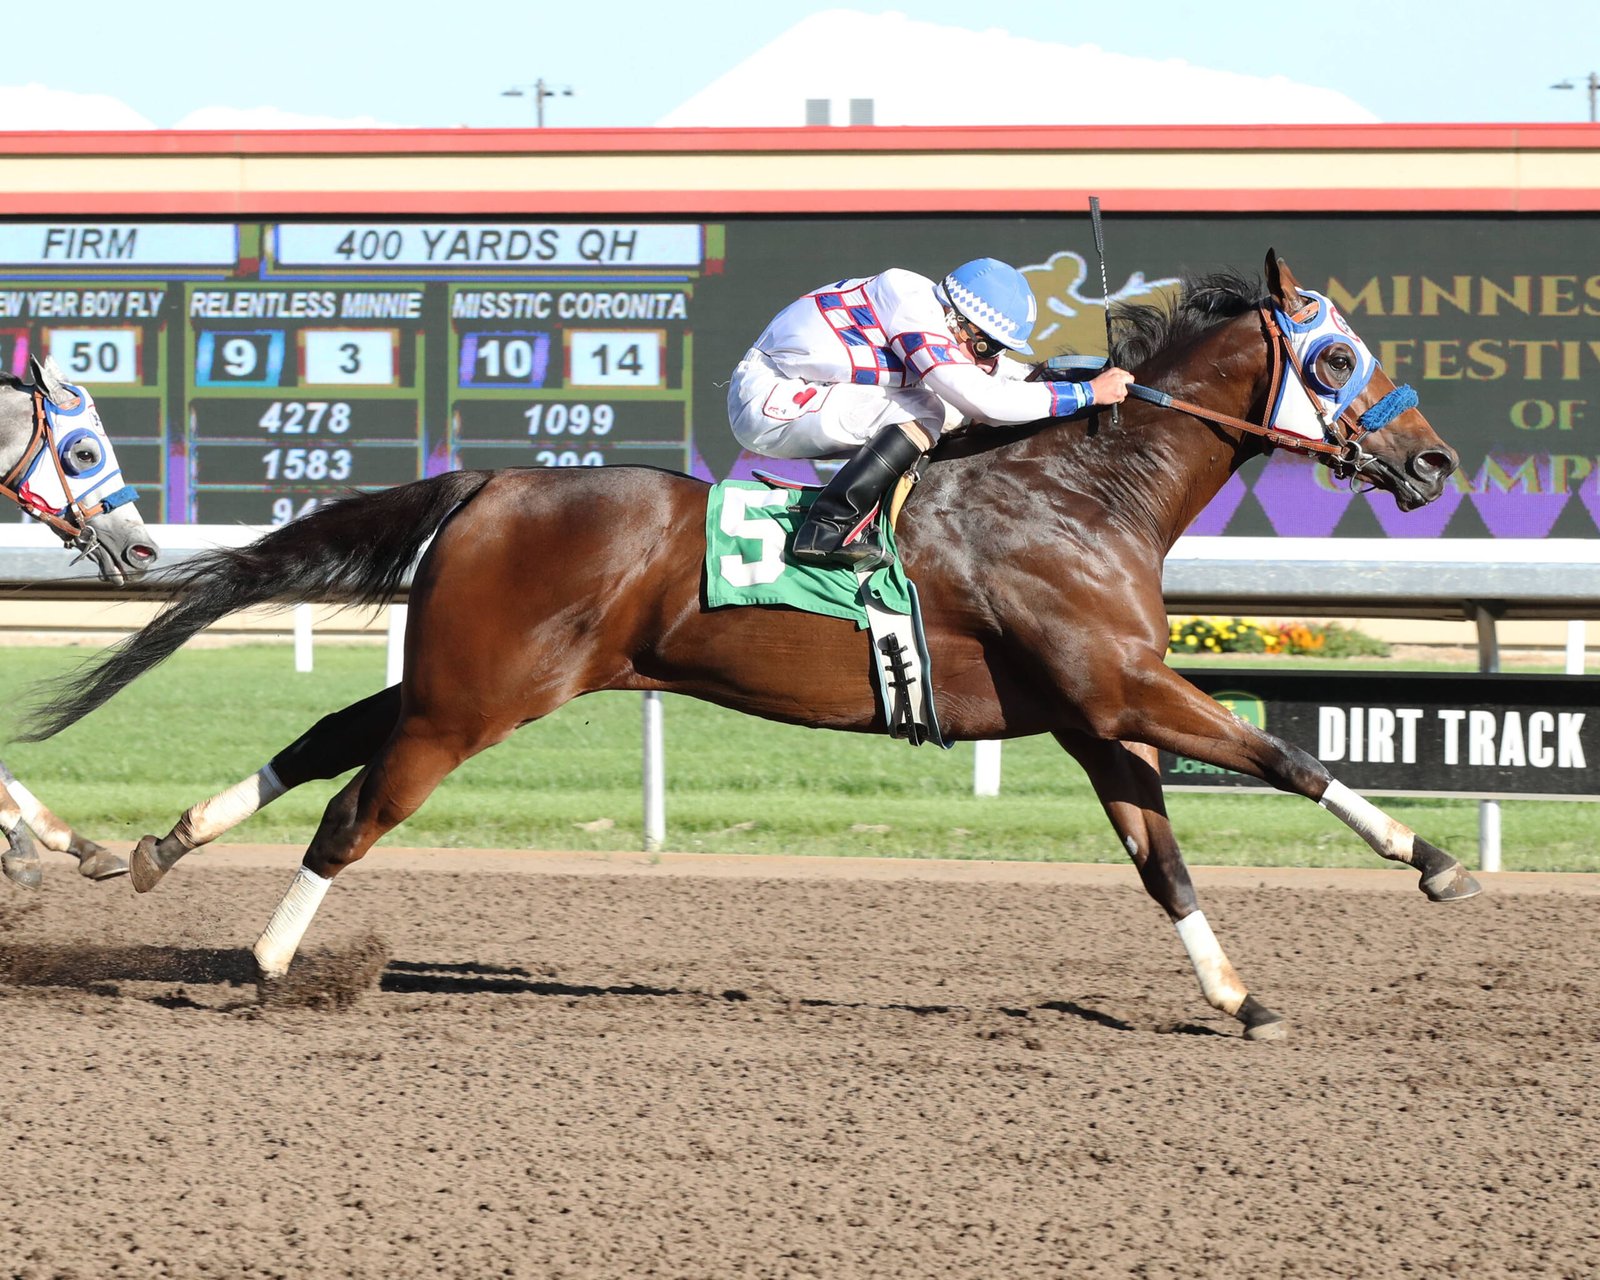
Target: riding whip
[{"x": 1105, "y": 290}]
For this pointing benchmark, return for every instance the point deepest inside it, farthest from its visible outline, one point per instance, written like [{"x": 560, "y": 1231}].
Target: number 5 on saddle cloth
[{"x": 749, "y": 527}]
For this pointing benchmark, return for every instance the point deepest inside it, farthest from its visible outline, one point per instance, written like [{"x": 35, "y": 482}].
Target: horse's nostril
[
  {"x": 1433, "y": 464},
  {"x": 141, "y": 553}
]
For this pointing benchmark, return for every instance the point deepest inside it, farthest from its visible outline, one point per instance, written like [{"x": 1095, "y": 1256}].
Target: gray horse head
[{"x": 76, "y": 472}]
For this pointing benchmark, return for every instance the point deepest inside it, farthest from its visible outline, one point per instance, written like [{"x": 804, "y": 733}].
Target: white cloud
[
  {"x": 35, "y": 107},
  {"x": 921, "y": 73}
]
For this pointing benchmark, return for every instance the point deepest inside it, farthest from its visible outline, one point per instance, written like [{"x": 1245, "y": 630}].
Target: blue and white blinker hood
[
  {"x": 1307, "y": 406},
  {"x": 88, "y": 463}
]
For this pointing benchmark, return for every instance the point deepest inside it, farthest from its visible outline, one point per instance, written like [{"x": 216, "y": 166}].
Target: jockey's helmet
[{"x": 994, "y": 298}]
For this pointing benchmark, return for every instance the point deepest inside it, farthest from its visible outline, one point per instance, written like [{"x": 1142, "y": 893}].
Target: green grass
[{"x": 734, "y": 784}]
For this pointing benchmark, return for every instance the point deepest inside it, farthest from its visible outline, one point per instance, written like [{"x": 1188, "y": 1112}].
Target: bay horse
[
  {"x": 58, "y": 465},
  {"x": 1037, "y": 552}
]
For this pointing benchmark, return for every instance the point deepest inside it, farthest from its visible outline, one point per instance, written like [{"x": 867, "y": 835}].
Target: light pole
[
  {"x": 1594, "y": 94},
  {"x": 538, "y": 91}
]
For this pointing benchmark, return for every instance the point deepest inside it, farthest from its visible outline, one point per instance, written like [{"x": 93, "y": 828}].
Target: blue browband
[{"x": 1388, "y": 409}]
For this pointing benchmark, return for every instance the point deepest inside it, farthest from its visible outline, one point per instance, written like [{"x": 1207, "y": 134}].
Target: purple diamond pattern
[
  {"x": 1425, "y": 522},
  {"x": 1589, "y": 495},
  {"x": 1513, "y": 494},
  {"x": 1295, "y": 493},
  {"x": 1221, "y": 509}
]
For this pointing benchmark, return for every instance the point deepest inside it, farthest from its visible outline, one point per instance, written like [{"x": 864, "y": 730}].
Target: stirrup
[{"x": 821, "y": 545}]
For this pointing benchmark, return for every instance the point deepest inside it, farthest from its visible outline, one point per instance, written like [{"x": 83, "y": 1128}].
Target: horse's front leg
[
  {"x": 20, "y": 862},
  {"x": 95, "y": 861},
  {"x": 344, "y": 740},
  {"x": 1162, "y": 709},
  {"x": 1128, "y": 783}
]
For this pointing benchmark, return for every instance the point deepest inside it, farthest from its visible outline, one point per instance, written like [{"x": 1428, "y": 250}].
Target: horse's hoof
[
  {"x": 21, "y": 863},
  {"x": 1260, "y": 1023},
  {"x": 1453, "y": 884},
  {"x": 146, "y": 866},
  {"x": 95, "y": 861},
  {"x": 1443, "y": 879}
]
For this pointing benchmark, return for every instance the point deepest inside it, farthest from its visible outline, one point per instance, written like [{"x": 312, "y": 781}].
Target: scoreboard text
[{"x": 249, "y": 373}]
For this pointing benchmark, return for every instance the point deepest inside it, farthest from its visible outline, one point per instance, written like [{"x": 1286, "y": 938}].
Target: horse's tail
[{"x": 357, "y": 551}]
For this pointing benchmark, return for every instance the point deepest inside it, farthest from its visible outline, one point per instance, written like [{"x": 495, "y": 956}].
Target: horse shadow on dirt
[{"x": 338, "y": 976}]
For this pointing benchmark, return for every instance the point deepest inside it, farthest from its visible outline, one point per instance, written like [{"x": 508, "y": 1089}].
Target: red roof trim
[
  {"x": 368, "y": 206},
  {"x": 1188, "y": 138}
]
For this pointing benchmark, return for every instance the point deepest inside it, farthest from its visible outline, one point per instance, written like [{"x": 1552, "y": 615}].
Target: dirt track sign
[{"x": 1487, "y": 736}]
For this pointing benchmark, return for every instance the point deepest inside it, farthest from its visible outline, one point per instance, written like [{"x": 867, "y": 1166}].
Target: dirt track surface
[{"x": 538, "y": 1066}]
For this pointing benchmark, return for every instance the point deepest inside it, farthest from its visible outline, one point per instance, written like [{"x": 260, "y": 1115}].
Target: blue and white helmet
[{"x": 996, "y": 298}]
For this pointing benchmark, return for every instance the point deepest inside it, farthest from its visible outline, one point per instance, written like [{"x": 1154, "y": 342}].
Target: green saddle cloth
[{"x": 749, "y": 530}]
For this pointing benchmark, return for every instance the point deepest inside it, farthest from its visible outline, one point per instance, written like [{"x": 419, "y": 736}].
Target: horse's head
[
  {"x": 59, "y": 467},
  {"x": 1343, "y": 395}
]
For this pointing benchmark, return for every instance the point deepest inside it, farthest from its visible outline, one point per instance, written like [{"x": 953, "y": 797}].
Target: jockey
[{"x": 877, "y": 367}]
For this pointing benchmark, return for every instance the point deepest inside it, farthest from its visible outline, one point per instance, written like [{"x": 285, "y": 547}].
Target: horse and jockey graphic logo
[{"x": 1071, "y": 323}]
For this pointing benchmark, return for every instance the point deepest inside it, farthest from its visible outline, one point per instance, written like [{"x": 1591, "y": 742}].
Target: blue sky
[{"x": 630, "y": 61}]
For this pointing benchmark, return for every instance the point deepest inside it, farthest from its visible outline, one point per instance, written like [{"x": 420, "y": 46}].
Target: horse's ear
[
  {"x": 1285, "y": 289},
  {"x": 47, "y": 376}
]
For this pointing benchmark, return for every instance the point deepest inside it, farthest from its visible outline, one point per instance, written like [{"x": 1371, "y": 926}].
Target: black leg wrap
[{"x": 834, "y": 531}]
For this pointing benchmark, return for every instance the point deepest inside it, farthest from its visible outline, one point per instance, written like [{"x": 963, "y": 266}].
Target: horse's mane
[{"x": 1145, "y": 331}]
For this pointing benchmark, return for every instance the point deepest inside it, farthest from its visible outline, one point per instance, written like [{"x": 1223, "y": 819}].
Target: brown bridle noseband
[{"x": 71, "y": 524}]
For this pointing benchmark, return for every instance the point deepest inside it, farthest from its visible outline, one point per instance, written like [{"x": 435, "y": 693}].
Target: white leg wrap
[
  {"x": 281, "y": 938},
  {"x": 52, "y": 832},
  {"x": 226, "y": 810},
  {"x": 1390, "y": 838},
  {"x": 1218, "y": 982}
]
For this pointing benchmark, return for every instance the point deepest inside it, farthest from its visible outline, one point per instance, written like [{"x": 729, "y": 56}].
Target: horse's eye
[
  {"x": 1337, "y": 364},
  {"x": 81, "y": 456}
]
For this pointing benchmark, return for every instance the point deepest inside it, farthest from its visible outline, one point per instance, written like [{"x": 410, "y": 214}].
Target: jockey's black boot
[{"x": 838, "y": 529}]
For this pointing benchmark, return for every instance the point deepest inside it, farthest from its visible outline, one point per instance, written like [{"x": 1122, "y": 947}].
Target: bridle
[
  {"x": 71, "y": 522},
  {"x": 1341, "y": 436}
]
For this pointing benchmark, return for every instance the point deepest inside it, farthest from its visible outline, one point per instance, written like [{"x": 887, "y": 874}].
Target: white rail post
[
  {"x": 1575, "y": 647},
  {"x": 395, "y": 664},
  {"x": 986, "y": 767},
  {"x": 655, "y": 773},
  {"x": 1488, "y": 810},
  {"x": 302, "y": 638}
]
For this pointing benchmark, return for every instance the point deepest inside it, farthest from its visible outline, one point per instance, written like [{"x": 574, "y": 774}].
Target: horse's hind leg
[
  {"x": 95, "y": 861},
  {"x": 404, "y": 773},
  {"x": 338, "y": 742},
  {"x": 1126, "y": 778}
]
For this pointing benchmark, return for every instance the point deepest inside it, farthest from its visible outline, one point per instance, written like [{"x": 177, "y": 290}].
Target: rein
[{"x": 73, "y": 528}]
